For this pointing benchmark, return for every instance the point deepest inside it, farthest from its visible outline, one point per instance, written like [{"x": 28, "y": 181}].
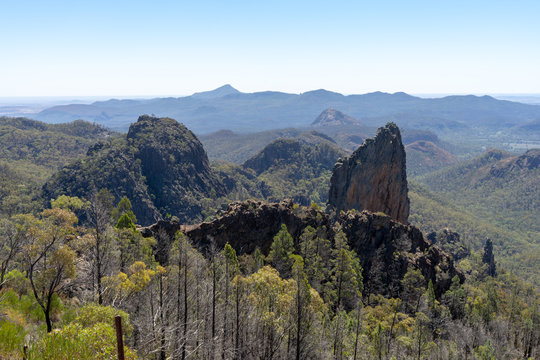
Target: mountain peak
[
  {"x": 373, "y": 177},
  {"x": 216, "y": 93},
  {"x": 331, "y": 116}
]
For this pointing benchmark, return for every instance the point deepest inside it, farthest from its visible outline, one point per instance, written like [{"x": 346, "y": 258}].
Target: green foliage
[
  {"x": 11, "y": 338},
  {"x": 316, "y": 250},
  {"x": 97, "y": 342},
  {"x": 123, "y": 207},
  {"x": 92, "y": 314},
  {"x": 455, "y": 298},
  {"x": 347, "y": 281},
  {"x": 515, "y": 253},
  {"x": 413, "y": 286},
  {"x": 125, "y": 222},
  {"x": 68, "y": 203},
  {"x": 485, "y": 352},
  {"x": 280, "y": 252},
  {"x": 498, "y": 197},
  {"x": 230, "y": 258}
]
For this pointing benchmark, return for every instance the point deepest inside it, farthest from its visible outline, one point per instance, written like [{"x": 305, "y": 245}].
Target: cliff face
[
  {"x": 174, "y": 164},
  {"x": 385, "y": 247},
  {"x": 160, "y": 166},
  {"x": 374, "y": 177},
  {"x": 450, "y": 242}
]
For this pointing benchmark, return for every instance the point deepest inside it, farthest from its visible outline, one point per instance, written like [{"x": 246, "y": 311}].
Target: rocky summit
[
  {"x": 160, "y": 166},
  {"x": 333, "y": 117},
  {"x": 386, "y": 248},
  {"x": 373, "y": 177}
]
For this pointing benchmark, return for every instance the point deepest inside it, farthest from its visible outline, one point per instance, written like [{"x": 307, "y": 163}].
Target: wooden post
[
  {"x": 119, "y": 337},
  {"x": 25, "y": 347}
]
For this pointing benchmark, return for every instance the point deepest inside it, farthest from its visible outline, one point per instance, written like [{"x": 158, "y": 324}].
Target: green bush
[
  {"x": 75, "y": 342},
  {"x": 11, "y": 339}
]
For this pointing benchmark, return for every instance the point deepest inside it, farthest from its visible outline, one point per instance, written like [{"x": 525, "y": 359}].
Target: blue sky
[{"x": 76, "y": 48}]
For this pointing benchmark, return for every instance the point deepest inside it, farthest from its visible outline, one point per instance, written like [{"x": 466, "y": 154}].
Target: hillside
[
  {"x": 296, "y": 168},
  {"x": 497, "y": 186},
  {"x": 237, "y": 147},
  {"x": 424, "y": 157},
  {"x": 31, "y": 151},
  {"x": 257, "y": 263},
  {"x": 50, "y": 145},
  {"x": 160, "y": 165},
  {"x": 514, "y": 250}
]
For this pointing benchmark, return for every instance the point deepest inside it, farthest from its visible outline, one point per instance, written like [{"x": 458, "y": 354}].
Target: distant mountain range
[{"x": 228, "y": 108}]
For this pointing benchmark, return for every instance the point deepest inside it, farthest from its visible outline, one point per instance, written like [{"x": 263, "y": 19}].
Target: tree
[
  {"x": 346, "y": 274},
  {"x": 455, "y": 298},
  {"x": 231, "y": 268},
  {"x": 315, "y": 250},
  {"x": 99, "y": 216},
  {"x": 302, "y": 300},
  {"x": 11, "y": 242},
  {"x": 48, "y": 258},
  {"x": 123, "y": 207},
  {"x": 422, "y": 343},
  {"x": 280, "y": 252},
  {"x": 489, "y": 259},
  {"x": 413, "y": 285}
]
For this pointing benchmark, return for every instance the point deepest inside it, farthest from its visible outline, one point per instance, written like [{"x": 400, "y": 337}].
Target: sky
[{"x": 173, "y": 48}]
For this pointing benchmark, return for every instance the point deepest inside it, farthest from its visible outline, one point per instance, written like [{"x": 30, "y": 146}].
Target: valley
[{"x": 350, "y": 222}]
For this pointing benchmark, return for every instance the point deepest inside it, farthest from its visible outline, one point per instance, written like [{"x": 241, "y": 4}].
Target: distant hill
[
  {"x": 216, "y": 93},
  {"x": 333, "y": 117},
  {"x": 530, "y": 127},
  {"x": 226, "y": 108},
  {"x": 237, "y": 148},
  {"x": 424, "y": 157}
]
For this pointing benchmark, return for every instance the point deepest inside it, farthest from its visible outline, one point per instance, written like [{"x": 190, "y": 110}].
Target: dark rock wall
[{"x": 386, "y": 248}]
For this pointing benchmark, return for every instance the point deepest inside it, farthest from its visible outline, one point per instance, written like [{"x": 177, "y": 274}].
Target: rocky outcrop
[
  {"x": 516, "y": 165},
  {"x": 450, "y": 242},
  {"x": 386, "y": 248},
  {"x": 175, "y": 165},
  {"x": 160, "y": 166},
  {"x": 374, "y": 177},
  {"x": 333, "y": 117}
]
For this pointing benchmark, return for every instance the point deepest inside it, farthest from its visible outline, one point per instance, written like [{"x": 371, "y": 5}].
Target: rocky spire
[{"x": 374, "y": 177}]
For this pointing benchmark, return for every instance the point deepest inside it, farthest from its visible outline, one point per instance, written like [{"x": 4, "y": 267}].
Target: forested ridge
[{"x": 69, "y": 264}]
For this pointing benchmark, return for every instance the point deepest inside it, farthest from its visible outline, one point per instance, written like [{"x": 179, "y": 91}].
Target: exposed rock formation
[
  {"x": 160, "y": 166},
  {"x": 333, "y": 117},
  {"x": 175, "y": 165},
  {"x": 450, "y": 242},
  {"x": 374, "y": 177},
  {"x": 385, "y": 247}
]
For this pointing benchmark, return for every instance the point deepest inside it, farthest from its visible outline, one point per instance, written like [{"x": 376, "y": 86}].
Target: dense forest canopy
[{"x": 73, "y": 254}]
